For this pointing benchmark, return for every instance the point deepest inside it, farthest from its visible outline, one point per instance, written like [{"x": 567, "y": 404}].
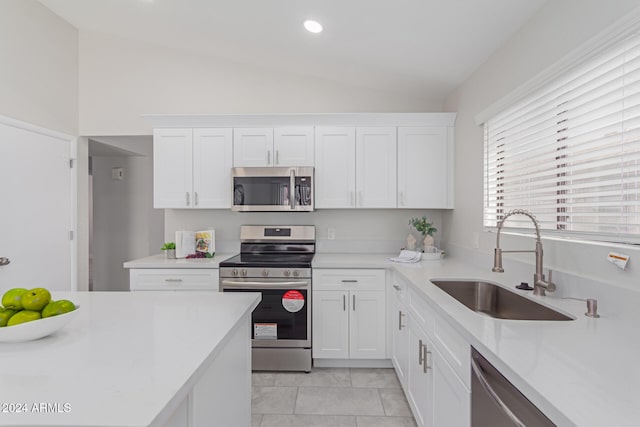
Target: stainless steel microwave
[{"x": 275, "y": 189}]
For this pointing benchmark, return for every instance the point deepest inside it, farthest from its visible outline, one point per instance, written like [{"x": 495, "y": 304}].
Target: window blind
[{"x": 570, "y": 152}]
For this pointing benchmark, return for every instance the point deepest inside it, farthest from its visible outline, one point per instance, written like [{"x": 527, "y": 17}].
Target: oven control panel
[{"x": 261, "y": 272}]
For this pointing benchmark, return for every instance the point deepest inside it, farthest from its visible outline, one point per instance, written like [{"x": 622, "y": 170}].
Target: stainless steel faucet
[{"x": 540, "y": 285}]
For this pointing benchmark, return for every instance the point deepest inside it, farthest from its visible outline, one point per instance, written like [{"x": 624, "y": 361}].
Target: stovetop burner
[{"x": 274, "y": 260}]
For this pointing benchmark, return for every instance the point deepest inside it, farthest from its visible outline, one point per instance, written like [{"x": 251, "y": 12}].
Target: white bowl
[{"x": 36, "y": 328}]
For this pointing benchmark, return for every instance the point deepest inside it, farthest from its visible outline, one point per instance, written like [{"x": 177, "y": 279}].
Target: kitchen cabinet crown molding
[{"x": 299, "y": 119}]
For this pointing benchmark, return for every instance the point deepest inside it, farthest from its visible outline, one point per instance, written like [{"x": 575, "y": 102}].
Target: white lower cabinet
[
  {"x": 436, "y": 387},
  {"x": 349, "y": 316},
  {"x": 173, "y": 279}
]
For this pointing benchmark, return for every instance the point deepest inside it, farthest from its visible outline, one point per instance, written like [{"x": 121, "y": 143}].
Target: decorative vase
[
  {"x": 428, "y": 241},
  {"x": 411, "y": 243},
  {"x": 170, "y": 254}
]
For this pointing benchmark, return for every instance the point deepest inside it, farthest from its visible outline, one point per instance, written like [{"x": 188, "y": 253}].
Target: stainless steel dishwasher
[{"x": 496, "y": 402}]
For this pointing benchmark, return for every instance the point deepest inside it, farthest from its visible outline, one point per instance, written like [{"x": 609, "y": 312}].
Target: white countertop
[
  {"x": 583, "y": 372},
  {"x": 159, "y": 261},
  {"x": 122, "y": 360}
]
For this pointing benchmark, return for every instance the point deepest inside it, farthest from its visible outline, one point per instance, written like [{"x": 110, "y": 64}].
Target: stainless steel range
[{"x": 276, "y": 261}]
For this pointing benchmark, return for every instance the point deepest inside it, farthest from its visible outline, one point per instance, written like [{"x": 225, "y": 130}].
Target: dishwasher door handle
[{"x": 477, "y": 370}]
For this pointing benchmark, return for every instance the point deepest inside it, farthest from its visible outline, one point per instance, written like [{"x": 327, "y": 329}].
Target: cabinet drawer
[
  {"x": 346, "y": 280},
  {"x": 454, "y": 349},
  {"x": 173, "y": 279},
  {"x": 421, "y": 311}
]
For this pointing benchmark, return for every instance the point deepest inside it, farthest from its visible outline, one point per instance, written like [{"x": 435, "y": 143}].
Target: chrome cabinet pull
[
  {"x": 351, "y": 194},
  {"x": 195, "y": 198},
  {"x": 420, "y": 357},
  {"x": 400, "y": 315},
  {"x": 426, "y": 366},
  {"x": 188, "y": 198},
  {"x": 344, "y": 303},
  {"x": 354, "y": 303},
  {"x": 349, "y": 281},
  {"x": 396, "y": 287},
  {"x": 360, "y": 197},
  {"x": 4, "y": 261},
  {"x": 277, "y": 157},
  {"x": 268, "y": 157},
  {"x": 173, "y": 280}
]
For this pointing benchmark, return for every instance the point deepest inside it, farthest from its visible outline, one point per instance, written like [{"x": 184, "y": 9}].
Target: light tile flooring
[{"x": 329, "y": 397}]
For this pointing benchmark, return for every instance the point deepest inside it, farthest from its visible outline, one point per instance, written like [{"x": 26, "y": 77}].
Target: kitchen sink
[{"x": 495, "y": 301}]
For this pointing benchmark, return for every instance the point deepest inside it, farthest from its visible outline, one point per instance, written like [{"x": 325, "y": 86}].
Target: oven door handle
[{"x": 231, "y": 284}]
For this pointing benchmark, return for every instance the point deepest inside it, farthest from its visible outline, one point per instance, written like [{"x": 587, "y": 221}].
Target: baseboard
[{"x": 352, "y": 363}]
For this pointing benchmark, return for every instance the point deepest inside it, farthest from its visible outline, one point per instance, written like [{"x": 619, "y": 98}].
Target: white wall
[
  {"x": 356, "y": 230},
  {"x": 554, "y": 31},
  {"x": 39, "y": 71},
  {"x": 122, "y": 79},
  {"x": 125, "y": 225}
]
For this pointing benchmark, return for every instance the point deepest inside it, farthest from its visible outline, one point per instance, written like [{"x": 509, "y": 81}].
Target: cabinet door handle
[
  {"x": 396, "y": 287},
  {"x": 268, "y": 157},
  {"x": 401, "y": 198},
  {"x": 195, "y": 198},
  {"x": 354, "y": 302},
  {"x": 344, "y": 303},
  {"x": 173, "y": 280},
  {"x": 420, "y": 356},
  {"x": 277, "y": 157},
  {"x": 188, "y": 199},
  {"x": 400, "y": 315},
  {"x": 351, "y": 195},
  {"x": 360, "y": 197},
  {"x": 4, "y": 261},
  {"x": 349, "y": 281},
  {"x": 426, "y": 366}
]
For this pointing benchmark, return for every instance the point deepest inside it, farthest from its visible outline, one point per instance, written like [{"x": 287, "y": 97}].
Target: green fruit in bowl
[
  {"x": 55, "y": 308},
  {"x": 36, "y": 299},
  {"x": 5, "y": 315},
  {"x": 13, "y": 298},
  {"x": 23, "y": 316}
]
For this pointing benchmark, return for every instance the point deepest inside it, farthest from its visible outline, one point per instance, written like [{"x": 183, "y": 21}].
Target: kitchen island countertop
[
  {"x": 127, "y": 359},
  {"x": 159, "y": 261}
]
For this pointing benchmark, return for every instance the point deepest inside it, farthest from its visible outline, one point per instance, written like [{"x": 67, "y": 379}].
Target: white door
[
  {"x": 293, "y": 146},
  {"x": 330, "y": 316},
  {"x": 376, "y": 167},
  {"x": 172, "y": 168},
  {"x": 253, "y": 147},
  {"x": 367, "y": 327},
  {"x": 212, "y": 161},
  {"x": 425, "y": 168},
  {"x": 37, "y": 194},
  {"x": 335, "y": 167}
]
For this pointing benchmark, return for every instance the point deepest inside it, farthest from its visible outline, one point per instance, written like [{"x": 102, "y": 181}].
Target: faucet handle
[{"x": 551, "y": 287}]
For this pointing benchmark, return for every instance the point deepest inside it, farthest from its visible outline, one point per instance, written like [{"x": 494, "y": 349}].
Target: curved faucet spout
[{"x": 540, "y": 285}]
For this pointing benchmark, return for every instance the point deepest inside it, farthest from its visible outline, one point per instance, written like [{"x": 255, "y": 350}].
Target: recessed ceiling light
[{"x": 312, "y": 26}]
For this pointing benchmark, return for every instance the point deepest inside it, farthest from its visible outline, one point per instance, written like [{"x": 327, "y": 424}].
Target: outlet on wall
[{"x": 331, "y": 233}]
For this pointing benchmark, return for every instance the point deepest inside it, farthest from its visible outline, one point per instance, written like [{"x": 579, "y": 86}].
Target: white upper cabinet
[
  {"x": 192, "y": 168},
  {"x": 212, "y": 159},
  {"x": 335, "y": 167},
  {"x": 355, "y": 167},
  {"x": 425, "y": 167},
  {"x": 252, "y": 147},
  {"x": 376, "y": 167},
  {"x": 172, "y": 168},
  {"x": 264, "y": 147},
  {"x": 293, "y": 146}
]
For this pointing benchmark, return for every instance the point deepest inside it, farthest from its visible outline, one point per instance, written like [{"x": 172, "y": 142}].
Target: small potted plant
[
  {"x": 169, "y": 249},
  {"x": 425, "y": 228}
]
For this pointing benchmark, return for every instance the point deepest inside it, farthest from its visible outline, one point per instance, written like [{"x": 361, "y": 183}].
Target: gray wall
[
  {"x": 125, "y": 225},
  {"x": 557, "y": 29}
]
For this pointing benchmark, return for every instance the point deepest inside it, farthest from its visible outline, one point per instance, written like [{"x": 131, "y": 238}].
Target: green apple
[
  {"x": 13, "y": 298},
  {"x": 55, "y": 308},
  {"x": 36, "y": 299},
  {"x": 5, "y": 315},
  {"x": 23, "y": 316}
]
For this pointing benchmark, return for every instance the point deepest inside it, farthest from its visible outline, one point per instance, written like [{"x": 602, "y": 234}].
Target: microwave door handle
[{"x": 292, "y": 188}]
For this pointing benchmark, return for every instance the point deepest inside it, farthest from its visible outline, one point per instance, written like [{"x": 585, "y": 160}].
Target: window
[{"x": 570, "y": 152}]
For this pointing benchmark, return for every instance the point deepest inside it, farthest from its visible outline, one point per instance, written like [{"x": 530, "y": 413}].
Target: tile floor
[{"x": 329, "y": 397}]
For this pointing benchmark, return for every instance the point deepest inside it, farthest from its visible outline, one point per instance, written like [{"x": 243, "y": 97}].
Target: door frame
[{"x": 73, "y": 184}]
